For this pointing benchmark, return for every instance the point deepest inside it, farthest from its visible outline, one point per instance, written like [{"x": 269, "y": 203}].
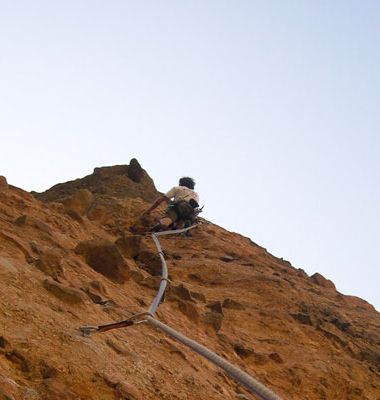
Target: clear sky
[{"x": 272, "y": 106}]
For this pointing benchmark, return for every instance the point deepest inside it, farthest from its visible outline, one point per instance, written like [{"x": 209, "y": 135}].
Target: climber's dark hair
[{"x": 188, "y": 182}]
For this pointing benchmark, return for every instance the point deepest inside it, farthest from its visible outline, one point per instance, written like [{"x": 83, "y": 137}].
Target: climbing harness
[
  {"x": 148, "y": 317},
  {"x": 185, "y": 213}
]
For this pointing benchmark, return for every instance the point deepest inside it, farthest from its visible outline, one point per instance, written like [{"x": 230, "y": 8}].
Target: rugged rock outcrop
[
  {"x": 68, "y": 258},
  {"x": 119, "y": 181}
]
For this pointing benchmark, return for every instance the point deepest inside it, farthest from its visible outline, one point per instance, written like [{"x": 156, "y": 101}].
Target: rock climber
[{"x": 182, "y": 201}]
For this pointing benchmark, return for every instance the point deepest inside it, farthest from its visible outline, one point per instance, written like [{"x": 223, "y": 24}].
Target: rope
[
  {"x": 240, "y": 376},
  {"x": 234, "y": 372},
  {"x": 164, "y": 274}
]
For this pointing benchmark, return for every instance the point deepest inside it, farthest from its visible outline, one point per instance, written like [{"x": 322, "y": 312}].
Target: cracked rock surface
[{"x": 68, "y": 258}]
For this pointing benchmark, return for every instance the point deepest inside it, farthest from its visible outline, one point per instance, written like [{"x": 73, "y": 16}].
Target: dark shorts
[{"x": 180, "y": 210}]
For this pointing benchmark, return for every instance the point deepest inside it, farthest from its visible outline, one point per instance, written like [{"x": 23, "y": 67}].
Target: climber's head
[{"x": 188, "y": 182}]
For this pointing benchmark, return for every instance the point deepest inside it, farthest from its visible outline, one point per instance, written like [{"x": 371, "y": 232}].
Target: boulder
[
  {"x": 99, "y": 213},
  {"x": 67, "y": 294},
  {"x": 104, "y": 257},
  {"x": 179, "y": 292},
  {"x": 229, "y": 303},
  {"x": 242, "y": 351},
  {"x": 96, "y": 292},
  {"x": 50, "y": 262},
  {"x": 150, "y": 262},
  {"x": 47, "y": 371},
  {"x": 95, "y": 297},
  {"x": 198, "y": 296},
  {"x": 320, "y": 280},
  {"x": 214, "y": 319},
  {"x": 129, "y": 245},
  {"x": 79, "y": 202},
  {"x": 276, "y": 358},
  {"x": 215, "y": 306},
  {"x": 135, "y": 172}
]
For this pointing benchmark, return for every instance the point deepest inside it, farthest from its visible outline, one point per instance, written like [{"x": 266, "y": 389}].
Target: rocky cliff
[{"x": 68, "y": 258}]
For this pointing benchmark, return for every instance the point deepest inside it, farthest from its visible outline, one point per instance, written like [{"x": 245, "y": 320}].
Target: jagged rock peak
[{"x": 118, "y": 181}]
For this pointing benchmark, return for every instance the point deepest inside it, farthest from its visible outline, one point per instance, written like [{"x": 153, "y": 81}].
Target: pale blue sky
[{"x": 272, "y": 106}]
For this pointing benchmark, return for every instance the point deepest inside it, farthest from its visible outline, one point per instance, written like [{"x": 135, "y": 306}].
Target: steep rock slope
[{"x": 68, "y": 258}]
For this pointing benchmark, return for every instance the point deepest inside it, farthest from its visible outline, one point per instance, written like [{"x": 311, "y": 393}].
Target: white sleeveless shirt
[{"x": 182, "y": 193}]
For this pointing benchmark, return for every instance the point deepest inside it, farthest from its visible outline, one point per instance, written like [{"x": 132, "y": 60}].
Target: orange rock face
[{"x": 68, "y": 259}]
